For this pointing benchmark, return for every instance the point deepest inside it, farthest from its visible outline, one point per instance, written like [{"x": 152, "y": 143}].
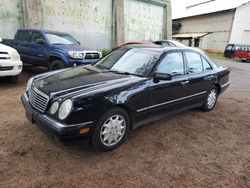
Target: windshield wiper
[{"x": 124, "y": 73}]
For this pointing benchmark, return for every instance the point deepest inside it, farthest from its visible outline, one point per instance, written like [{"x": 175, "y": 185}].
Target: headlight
[
  {"x": 100, "y": 55},
  {"x": 29, "y": 83},
  {"x": 15, "y": 56},
  {"x": 54, "y": 107},
  {"x": 65, "y": 109},
  {"x": 76, "y": 54}
]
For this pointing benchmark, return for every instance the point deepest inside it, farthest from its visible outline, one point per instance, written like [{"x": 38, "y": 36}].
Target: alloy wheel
[{"x": 113, "y": 130}]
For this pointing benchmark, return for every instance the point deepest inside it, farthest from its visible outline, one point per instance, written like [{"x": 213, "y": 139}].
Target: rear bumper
[
  {"x": 224, "y": 87},
  {"x": 16, "y": 68},
  {"x": 65, "y": 134}
]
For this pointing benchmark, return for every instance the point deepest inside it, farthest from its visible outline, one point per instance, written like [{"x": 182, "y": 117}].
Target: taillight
[{"x": 249, "y": 54}]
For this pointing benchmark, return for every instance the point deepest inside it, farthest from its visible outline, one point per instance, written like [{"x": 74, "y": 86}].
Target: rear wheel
[
  {"x": 111, "y": 130},
  {"x": 56, "y": 64},
  {"x": 210, "y": 100}
]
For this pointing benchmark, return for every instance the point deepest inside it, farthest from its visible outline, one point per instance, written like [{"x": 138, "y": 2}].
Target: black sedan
[{"x": 131, "y": 86}]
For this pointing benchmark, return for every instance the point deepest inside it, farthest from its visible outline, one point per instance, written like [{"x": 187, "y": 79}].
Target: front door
[
  {"x": 37, "y": 51},
  {"x": 166, "y": 96}
]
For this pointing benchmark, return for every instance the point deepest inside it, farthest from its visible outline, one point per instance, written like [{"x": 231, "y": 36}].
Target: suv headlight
[
  {"x": 15, "y": 56},
  {"x": 29, "y": 83},
  {"x": 100, "y": 54},
  {"x": 65, "y": 109},
  {"x": 76, "y": 54}
]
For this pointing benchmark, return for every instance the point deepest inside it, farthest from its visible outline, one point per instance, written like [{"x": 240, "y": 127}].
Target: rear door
[
  {"x": 200, "y": 74},
  {"x": 37, "y": 51},
  {"x": 21, "y": 44}
]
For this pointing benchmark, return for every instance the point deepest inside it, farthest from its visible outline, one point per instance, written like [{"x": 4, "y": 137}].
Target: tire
[
  {"x": 108, "y": 136},
  {"x": 56, "y": 64},
  {"x": 243, "y": 60},
  {"x": 13, "y": 79},
  {"x": 210, "y": 100}
]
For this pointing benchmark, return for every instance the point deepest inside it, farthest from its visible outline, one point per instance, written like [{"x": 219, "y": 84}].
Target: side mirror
[
  {"x": 79, "y": 42},
  {"x": 1, "y": 40},
  {"x": 40, "y": 41},
  {"x": 162, "y": 76}
]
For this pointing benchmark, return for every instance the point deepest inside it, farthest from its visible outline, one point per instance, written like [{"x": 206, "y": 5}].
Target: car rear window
[{"x": 23, "y": 36}]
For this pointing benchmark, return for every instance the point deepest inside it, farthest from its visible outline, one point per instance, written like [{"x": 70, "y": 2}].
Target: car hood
[
  {"x": 82, "y": 79},
  {"x": 70, "y": 48},
  {"x": 5, "y": 48}
]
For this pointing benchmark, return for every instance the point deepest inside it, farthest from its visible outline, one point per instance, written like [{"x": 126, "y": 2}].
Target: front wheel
[
  {"x": 210, "y": 100},
  {"x": 13, "y": 79},
  {"x": 56, "y": 64},
  {"x": 111, "y": 130}
]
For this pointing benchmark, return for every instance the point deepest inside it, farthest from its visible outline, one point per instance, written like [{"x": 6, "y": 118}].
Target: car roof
[
  {"x": 43, "y": 31},
  {"x": 159, "y": 48},
  {"x": 175, "y": 42}
]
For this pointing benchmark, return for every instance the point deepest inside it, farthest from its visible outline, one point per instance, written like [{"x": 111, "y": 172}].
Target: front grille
[
  {"x": 92, "y": 55},
  {"x": 38, "y": 99},
  {"x": 4, "y": 55},
  {"x": 6, "y": 68}
]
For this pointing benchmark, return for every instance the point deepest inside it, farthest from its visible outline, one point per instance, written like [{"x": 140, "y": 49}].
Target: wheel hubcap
[
  {"x": 113, "y": 130},
  {"x": 211, "y": 99}
]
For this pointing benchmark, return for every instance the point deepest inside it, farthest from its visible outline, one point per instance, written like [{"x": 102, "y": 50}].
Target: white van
[{"x": 10, "y": 63}]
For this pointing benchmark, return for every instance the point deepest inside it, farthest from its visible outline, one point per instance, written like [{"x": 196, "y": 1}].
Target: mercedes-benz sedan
[{"x": 131, "y": 86}]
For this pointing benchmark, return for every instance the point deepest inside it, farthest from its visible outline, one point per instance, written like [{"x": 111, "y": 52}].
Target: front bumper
[
  {"x": 65, "y": 134},
  {"x": 73, "y": 62},
  {"x": 17, "y": 68}
]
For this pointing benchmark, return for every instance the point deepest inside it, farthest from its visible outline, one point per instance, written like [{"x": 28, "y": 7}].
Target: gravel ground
[{"x": 192, "y": 149}]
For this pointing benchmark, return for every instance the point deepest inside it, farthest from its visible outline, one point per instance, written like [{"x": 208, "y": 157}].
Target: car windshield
[
  {"x": 129, "y": 61},
  {"x": 60, "y": 39}
]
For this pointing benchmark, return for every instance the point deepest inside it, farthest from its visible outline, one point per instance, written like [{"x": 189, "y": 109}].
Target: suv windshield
[
  {"x": 129, "y": 61},
  {"x": 60, "y": 39}
]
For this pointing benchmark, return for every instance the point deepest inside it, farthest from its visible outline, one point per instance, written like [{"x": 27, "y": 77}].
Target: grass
[{"x": 217, "y": 56}]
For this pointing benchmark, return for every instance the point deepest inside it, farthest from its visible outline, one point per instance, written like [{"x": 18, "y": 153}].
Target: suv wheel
[
  {"x": 56, "y": 64},
  {"x": 111, "y": 130},
  {"x": 13, "y": 79}
]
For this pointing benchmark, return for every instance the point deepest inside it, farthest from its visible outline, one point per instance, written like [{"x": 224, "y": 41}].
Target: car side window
[
  {"x": 35, "y": 36},
  {"x": 23, "y": 36},
  {"x": 172, "y": 64},
  {"x": 206, "y": 65},
  {"x": 194, "y": 62}
]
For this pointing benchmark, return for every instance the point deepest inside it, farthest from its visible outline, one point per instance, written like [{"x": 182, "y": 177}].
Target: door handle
[
  {"x": 185, "y": 82},
  {"x": 210, "y": 77}
]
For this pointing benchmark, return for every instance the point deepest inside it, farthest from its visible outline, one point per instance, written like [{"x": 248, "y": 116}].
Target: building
[
  {"x": 97, "y": 24},
  {"x": 212, "y": 24}
]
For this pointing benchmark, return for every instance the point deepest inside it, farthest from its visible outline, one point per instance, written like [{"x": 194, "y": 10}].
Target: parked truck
[
  {"x": 51, "y": 49},
  {"x": 10, "y": 63}
]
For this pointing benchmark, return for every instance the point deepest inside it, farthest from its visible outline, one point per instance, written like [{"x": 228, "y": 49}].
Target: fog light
[
  {"x": 84, "y": 131},
  {"x": 19, "y": 67}
]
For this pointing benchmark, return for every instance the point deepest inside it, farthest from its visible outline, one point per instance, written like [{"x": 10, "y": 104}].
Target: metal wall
[
  {"x": 143, "y": 21},
  {"x": 219, "y": 24},
  {"x": 10, "y": 17},
  {"x": 241, "y": 25},
  {"x": 97, "y": 24},
  {"x": 88, "y": 21}
]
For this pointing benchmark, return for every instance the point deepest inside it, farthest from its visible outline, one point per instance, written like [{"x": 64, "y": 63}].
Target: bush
[{"x": 105, "y": 52}]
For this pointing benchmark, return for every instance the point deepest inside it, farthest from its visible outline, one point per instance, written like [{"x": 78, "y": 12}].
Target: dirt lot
[{"x": 192, "y": 149}]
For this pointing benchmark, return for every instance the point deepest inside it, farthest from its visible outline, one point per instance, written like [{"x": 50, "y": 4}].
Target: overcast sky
[{"x": 178, "y": 6}]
